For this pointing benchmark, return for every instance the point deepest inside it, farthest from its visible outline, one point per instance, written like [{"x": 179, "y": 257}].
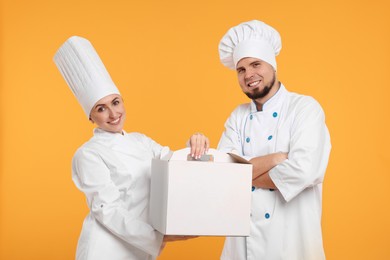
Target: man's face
[
  {"x": 256, "y": 78},
  {"x": 109, "y": 113}
]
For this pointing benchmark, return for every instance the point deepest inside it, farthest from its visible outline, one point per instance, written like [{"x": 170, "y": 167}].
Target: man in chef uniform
[
  {"x": 285, "y": 137},
  {"x": 112, "y": 169}
]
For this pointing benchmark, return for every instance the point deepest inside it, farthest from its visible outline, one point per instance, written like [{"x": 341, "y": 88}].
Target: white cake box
[{"x": 201, "y": 198}]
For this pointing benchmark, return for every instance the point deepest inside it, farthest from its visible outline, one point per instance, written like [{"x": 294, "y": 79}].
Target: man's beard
[{"x": 264, "y": 92}]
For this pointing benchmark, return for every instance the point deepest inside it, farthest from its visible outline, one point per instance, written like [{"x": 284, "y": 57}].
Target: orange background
[{"x": 163, "y": 56}]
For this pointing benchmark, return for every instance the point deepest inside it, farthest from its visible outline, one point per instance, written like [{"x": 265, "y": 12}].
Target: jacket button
[
  {"x": 251, "y": 117},
  {"x": 270, "y": 137},
  {"x": 247, "y": 139},
  {"x": 275, "y": 114},
  {"x": 267, "y": 215},
  {"x": 253, "y": 188}
]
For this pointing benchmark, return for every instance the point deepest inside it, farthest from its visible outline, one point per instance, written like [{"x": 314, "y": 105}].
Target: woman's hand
[
  {"x": 171, "y": 238},
  {"x": 199, "y": 145}
]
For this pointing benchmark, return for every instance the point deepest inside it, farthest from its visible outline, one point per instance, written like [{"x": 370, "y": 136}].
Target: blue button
[
  {"x": 267, "y": 215},
  {"x": 248, "y": 140},
  {"x": 270, "y": 137},
  {"x": 251, "y": 117},
  {"x": 275, "y": 114},
  {"x": 253, "y": 188}
]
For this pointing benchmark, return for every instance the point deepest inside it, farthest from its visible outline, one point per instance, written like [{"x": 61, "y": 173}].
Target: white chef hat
[
  {"x": 250, "y": 39},
  {"x": 84, "y": 72}
]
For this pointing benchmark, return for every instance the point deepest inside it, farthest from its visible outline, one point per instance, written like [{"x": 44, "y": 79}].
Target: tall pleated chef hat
[
  {"x": 250, "y": 39},
  {"x": 84, "y": 72}
]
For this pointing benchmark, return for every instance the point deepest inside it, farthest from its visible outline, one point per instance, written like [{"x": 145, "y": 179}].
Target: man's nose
[{"x": 249, "y": 74}]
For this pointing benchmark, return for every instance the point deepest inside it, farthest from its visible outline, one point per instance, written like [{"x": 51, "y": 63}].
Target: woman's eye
[
  {"x": 100, "y": 109},
  {"x": 116, "y": 102}
]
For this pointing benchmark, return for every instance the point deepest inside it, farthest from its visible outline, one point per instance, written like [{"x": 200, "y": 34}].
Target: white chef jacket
[
  {"x": 285, "y": 223},
  {"x": 113, "y": 171}
]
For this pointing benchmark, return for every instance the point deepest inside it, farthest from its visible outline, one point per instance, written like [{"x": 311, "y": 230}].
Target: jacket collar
[
  {"x": 274, "y": 102},
  {"x": 115, "y": 141}
]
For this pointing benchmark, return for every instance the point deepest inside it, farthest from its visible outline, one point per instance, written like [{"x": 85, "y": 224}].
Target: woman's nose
[{"x": 111, "y": 113}]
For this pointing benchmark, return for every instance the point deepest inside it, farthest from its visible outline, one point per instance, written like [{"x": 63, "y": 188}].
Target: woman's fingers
[{"x": 199, "y": 145}]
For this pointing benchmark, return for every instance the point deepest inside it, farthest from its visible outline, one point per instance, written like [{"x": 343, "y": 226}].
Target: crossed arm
[{"x": 261, "y": 167}]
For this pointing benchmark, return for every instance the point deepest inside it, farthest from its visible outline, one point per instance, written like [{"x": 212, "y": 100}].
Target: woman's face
[{"x": 109, "y": 113}]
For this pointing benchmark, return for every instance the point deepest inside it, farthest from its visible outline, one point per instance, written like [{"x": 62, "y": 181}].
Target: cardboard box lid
[{"x": 220, "y": 157}]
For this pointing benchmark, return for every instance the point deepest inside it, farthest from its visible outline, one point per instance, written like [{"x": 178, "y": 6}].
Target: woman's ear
[{"x": 90, "y": 119}]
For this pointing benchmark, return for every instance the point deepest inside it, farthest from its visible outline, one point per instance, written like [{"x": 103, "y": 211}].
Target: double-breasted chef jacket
[
  {"x": 286, "y": 222},
  {"x": 113, "y": 171}
]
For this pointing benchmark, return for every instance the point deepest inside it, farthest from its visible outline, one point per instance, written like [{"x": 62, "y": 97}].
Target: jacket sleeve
[
  {"x": 309, "y": 151},
  {"x": 92, "y": 176},
  {"x": 230, "y": 140},
  {"x": 157, "y": 149}
]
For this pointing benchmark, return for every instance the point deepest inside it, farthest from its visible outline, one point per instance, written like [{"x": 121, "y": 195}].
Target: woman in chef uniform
[{"x": 113, "y": 167}]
